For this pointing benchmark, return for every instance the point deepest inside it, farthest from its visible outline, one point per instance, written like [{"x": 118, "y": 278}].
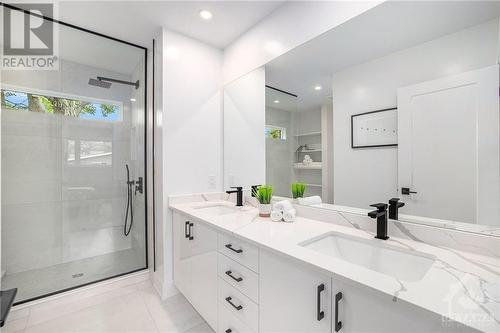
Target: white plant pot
[{"x": 264, "y": 210}]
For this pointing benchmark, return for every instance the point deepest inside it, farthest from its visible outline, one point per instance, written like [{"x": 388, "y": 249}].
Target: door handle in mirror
[{"x": 407, "y": 191}]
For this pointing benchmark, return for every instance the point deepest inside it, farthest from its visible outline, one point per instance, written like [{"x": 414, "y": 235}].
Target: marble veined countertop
[{"x": 457, "y": 287}]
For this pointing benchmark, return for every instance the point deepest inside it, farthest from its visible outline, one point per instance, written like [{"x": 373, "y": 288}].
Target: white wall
[
  {"x": 327, "y": 151},
  {"x": 157, "y": 244},
  {"x": 366, "y": 176},
  {"x": 289, "y": 26},
  {"x": 191, "y": 123},
  {"x": 309, "y": 121},
  {"x": 280, "y": 153},
  {"x": 244, "y": 120}
]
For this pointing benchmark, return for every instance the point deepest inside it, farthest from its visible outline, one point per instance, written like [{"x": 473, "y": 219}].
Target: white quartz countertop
[{"x": 456, "y": 287}]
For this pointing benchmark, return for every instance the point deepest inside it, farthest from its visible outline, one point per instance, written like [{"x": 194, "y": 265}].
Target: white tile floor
[{"x": 132, "y": 308}]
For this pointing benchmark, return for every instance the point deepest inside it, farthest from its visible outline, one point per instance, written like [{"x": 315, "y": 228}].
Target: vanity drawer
[
  {"x": 239, "y": 305},
  {"x": 240, "y": 251},
  {"x": 239, "y": 277},
  {"x": 228, "y": 321}
]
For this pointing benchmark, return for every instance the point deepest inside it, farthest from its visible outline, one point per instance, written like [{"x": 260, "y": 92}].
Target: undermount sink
[
  {"x": 217, "y": 209},
  {"x": 404, "y": 265}
]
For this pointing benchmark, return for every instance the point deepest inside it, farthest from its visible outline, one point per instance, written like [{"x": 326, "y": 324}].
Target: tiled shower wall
[{"x": 54, "y": 212}]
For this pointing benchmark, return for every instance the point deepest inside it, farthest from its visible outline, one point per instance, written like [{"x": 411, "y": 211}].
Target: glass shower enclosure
[{"x": 73, "y": 197}]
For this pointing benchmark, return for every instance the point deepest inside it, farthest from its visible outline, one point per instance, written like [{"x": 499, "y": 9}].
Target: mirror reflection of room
[
  {"x": 358, "y": 120},
  {"x": 296, "y": 134}
]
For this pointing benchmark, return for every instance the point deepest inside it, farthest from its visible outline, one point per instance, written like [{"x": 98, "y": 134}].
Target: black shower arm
[{"x": 135, "y": 84}]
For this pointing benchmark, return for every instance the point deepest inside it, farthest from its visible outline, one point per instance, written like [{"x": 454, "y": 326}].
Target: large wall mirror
[{"x": 399, "y": 102}]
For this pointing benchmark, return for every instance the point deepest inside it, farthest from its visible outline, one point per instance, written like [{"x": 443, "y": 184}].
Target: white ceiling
[
  {"x": 387, "y": 28},
  {"x": 286, "y": 102},
  {"x": 139, "y": 21}
]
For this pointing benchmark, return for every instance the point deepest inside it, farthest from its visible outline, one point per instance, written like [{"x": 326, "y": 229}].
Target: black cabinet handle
[
  {"x": 407, "y": 191},
  {"x": 321, "y": 314},
  {"x": 238, "y": 308},
  {"x": 190, "y": 234},
  {"x": 229, "y": 273},
  {"x": 338, "y": 324},
  {"x": 186, "y": 231},
  {"x": 228, "y": 330},
  {"x": 229, "y": 246}
]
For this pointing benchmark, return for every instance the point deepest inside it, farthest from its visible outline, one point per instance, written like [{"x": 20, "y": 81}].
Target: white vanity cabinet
[
  {"x": 239, "y": 287},
  {"x": 361, "y": 309},
  {"x": 293, "y": 296},
  {"x": 195, "y": 265}
]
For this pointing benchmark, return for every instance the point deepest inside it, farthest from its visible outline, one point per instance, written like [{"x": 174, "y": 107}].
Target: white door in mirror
[{"x": 448, "y": 147}]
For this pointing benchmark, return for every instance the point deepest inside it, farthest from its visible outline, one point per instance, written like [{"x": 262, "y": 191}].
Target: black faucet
[
  {"x": 394, "y": 206},
  {"x": 239, "y": 195},
  {"x": 381, "y": 215}
]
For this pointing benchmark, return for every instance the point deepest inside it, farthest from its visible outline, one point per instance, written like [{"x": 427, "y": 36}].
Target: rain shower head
[
  {"x": 105, "y": 82},
  {"x": 99, "y": 83}
]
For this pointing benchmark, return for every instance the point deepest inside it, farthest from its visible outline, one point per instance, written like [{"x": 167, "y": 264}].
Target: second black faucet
[{"x": 239, "y": 195}]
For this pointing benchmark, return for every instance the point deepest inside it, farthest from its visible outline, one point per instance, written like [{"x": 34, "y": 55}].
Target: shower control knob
[{"x": 138, "y": 186}]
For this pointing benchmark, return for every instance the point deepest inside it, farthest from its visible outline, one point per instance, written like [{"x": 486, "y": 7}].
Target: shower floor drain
[{"x": 77, "y": 275}]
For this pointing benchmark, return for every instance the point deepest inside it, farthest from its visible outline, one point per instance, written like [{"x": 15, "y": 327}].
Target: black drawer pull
[
  {"x": 338, "y": 324},
  {"x": 238, "y": 308},
  {"x": 321, "y": 314},
  {"x": 229, "y": 246},
  {"x": 229, "y": 273},
  {"x": 186, "y": 231},
  {"x": 191, "y": 237},
  {"x": 228, "y": 330}
]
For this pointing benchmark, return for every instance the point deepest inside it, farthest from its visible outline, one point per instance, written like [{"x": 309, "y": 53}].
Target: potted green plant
[
  {"x": 264, "y": 194},
  {"x": 298, "y": 190}
]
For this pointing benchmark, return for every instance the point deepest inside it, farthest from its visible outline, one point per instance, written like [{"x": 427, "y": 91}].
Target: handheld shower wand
[{"x": 130, "y": 206}]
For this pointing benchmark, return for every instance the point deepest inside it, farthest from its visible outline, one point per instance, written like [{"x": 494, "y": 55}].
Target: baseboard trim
[
  {"x": 169, "y": 289},
  {"x": 106, "y": 285}
]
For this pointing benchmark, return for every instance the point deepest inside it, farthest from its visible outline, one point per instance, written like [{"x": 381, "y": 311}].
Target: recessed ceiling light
[
  {"x": 318, "y": 87},
  {"x": 132, "y": 99},
  {"x": 206, "y": 15},
  {"x": 276, "y": 101}
]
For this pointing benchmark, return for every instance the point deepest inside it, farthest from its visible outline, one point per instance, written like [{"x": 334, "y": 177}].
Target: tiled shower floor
[{"x": 46, "y": 280}]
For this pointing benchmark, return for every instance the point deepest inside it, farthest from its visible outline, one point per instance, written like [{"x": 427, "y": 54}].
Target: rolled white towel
[
  {"x": 289, "y": 216},
  {"x": 276, "y": 215},
  {"x": 308, "y": 201},
  {"x": 283, "y": 205},
  {"x": 307, "y": 160}
]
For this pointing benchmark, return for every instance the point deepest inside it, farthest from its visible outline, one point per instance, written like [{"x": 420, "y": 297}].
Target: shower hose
[{"x": 130, "y": 185}]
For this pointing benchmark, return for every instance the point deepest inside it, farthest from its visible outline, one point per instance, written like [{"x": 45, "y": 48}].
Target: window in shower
[
  {"x": 89, "y": 153},
  {"x": 70, "y": 152},
  {"x": 67, "y": 105},
  {"x": 275, "y": 132}
]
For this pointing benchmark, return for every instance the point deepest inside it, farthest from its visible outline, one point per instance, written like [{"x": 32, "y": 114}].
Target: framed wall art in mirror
[{"x": 375, "y": 129}]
